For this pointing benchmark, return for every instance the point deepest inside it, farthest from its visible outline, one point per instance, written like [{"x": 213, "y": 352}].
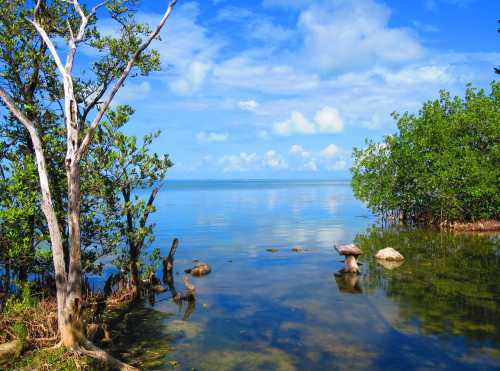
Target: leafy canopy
[{"x": 442, "y": 165}]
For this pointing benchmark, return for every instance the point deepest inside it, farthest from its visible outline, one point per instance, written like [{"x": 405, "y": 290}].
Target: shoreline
[{"x": 491, "y": 225}]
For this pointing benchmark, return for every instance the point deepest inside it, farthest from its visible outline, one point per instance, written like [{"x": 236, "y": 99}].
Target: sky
[{"x": 285, "y": 89}]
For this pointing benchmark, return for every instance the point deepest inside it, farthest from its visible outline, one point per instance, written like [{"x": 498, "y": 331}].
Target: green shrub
[{"x": 442, "y": 165}]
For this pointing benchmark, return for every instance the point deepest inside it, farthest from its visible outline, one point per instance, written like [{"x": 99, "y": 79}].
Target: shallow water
[{"x": 287, "y": 311}]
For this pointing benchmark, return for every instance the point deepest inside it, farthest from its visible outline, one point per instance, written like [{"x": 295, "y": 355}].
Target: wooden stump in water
[{"x": 351, "y": 253}]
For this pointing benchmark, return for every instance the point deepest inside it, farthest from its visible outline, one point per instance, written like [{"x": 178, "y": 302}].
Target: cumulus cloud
[
  {"x": 296, "y": 124},
  {"x": 326, "y": 120},
  {"x": 330, "y": 151},
  {"x": 204, "y": 137}
]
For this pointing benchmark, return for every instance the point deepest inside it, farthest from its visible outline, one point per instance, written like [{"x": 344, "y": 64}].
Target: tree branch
[
  {"x": 88, "y": 136},
  {"x": 16, "y": 112},
  {"x": 50, "y": 45}
]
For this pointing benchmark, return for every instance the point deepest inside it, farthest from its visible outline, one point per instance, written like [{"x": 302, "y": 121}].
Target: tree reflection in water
[{"x": 449, "y": 284}]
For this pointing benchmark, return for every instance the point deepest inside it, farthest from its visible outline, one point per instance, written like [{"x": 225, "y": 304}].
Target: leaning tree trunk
[{"x": 47, "y": 207}]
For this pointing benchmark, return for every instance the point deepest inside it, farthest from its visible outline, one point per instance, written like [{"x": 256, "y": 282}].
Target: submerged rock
[
  {"x": 273, "y": 250},
  {"x": 389, "y": 254},
  {"x": 296, "y": 249},
  {"x": 201, "y": 269}
]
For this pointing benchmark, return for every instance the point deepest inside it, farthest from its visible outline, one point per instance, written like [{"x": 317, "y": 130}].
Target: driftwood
[
  {"x": 351, "y": 253},
  {"x": 168, "y": 277},
  {"x": 168, "y": 262}
]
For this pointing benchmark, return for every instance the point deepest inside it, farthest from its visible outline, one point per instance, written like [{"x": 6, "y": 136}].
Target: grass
[{"x": 54, "y": 360}]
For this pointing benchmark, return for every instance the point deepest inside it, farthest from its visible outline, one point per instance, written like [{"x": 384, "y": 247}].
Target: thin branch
[
  {"x": 16, "y": 112},
  {"x": 88, "y": 137}
]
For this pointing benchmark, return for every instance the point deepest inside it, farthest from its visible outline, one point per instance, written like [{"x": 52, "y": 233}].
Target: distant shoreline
[{"x": 260, "y": 180}]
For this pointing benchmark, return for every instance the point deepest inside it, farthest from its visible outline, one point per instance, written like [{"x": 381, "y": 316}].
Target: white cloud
[
  {"x": 239, "y": 163},
  {"x": 251, "y": 73},
  {"x": 274, "y": 161},
  {"x": 298, "y": 159},
  {"x": 330, "y": 151},
  {"x": 350, "y": 34},
  {"x": 299, "y": 151},
  {"x": 326, "y": 120},
  {"x": 248, "y": 105},
  {"x": 192, "y": 80},
  {"x": 204, "y": 137},
  {"x": 187, "y": 51},
  {"x": 297, "y": 124}
]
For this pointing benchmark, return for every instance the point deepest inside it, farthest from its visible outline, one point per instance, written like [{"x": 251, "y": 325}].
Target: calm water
[{"x": 287, "y": 311}]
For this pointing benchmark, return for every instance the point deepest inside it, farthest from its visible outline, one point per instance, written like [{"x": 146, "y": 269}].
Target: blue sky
[{"x": 286, "y": 89}]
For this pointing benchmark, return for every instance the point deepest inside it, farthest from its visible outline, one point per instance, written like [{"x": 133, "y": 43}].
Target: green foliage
[
  {"x": 29, "y": 74},
  {"x": 130, "y": 176},
  {"x": 442, "y": 165},
  {"x": 16, "y": 305}
]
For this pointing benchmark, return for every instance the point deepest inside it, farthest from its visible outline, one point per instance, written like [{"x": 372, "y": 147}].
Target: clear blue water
[{"x": 259, "y": 310}]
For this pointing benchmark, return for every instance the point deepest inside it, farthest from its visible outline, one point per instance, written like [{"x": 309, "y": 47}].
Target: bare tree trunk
[{"x": 47, "y": 207}]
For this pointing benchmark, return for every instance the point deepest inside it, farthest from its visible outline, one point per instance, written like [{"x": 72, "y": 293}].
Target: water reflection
[
  {"x": 257, "y": 310},
  {"x": 448, "y": 285}
]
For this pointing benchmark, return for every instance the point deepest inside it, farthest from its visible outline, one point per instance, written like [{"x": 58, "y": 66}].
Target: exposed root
[
  {"x": 87, "y": 348},
  {"x": 106, "y": 358}
]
